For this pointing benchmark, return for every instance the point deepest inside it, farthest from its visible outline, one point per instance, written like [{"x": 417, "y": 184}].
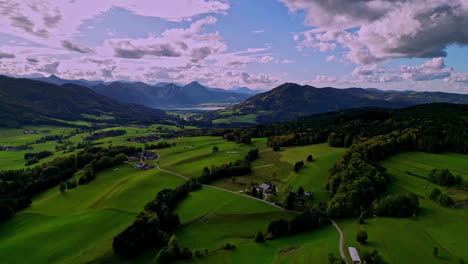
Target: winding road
[
  {"x": 222, "y": 189},
  {"x": 341, "y": 240},
  {"x": 263, "y": 201}
]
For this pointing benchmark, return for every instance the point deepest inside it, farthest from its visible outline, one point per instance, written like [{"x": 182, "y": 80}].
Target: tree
[
  {"x": 259, "y": 238},
  {"x": 215, "y": 149},
  {"x": 445, "y": 200},
  {"x": 63, "y": 187},
  {"x": 362, "y": 221},
  {"x": 310, "y": 158},
  {"x": 276, "y": 147},
  {"x": 254, "y": 192},
  {"x": 298, "y": 166},
  {"x": 300, "y": 191},
  {"x": 435, "y": 194},
  {"x": 361, "y": 236}
]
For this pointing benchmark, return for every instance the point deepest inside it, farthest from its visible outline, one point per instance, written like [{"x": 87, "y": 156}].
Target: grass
[
  {"x": 308, "y": 247},
  {"x": 277, "y": 167},
  {"x": 98, "y": 117},
  {"x": 78, "y": 226},
  {"x": 212, "y": 218},
  {"x": 191, "y": 155},
  {"x": 249, "y": 118},
  {"x": 413, "y": 240}
]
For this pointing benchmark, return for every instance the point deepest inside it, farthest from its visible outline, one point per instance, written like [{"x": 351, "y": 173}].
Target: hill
[
  {"x": 59, "y": 81},
  {"x": 291, "y": 100},
  {"x": 30, "y": 101},
  {"x": 167, "y": 95}
]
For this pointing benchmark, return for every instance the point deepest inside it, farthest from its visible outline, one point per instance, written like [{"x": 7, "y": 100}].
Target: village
[
  {"x": 11, "y": 148},
  {"x": 142, "y": 157}
]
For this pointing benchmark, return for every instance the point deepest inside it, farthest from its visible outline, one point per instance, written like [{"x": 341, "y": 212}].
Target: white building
[{"x": 354, "y": 255}]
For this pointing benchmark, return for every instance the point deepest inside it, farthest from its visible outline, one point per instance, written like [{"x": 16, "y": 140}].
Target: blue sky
[{"x": 227, "y": 43}]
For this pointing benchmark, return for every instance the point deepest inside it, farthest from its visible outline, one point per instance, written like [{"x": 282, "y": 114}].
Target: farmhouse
[
  {"x": 148, "y": 155},
  {"x": 354, "y": 255},
  {"x": 146, "y": 139},
  {"x": 268, "y": 187},
  {"x": 144, "y": 166}
]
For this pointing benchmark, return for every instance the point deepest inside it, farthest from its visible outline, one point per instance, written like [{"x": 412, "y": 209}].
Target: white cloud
[
  {"x": 383, "y": 29},
  {"x": 51, "y": 21},
  {"x": 325, "y": 78}
]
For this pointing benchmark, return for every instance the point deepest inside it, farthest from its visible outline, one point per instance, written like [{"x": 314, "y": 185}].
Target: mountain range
[
  {"x": 291, "y": 100},
  {"x": 160, "y": 95},
  {"x": 31, "y": 101}
]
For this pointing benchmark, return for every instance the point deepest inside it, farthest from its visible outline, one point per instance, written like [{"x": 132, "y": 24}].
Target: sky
[{"x": 387, "y": 44}]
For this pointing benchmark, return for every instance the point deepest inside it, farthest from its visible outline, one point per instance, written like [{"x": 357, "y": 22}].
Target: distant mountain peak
[
  {"x": 194, "y": 83},
  {"x": 53, "y": 76}
]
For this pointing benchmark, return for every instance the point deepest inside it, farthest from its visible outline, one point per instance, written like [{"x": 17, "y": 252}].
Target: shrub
[
  {"x": 361, "y": 236},
  {"x": 259, "y": 238}
]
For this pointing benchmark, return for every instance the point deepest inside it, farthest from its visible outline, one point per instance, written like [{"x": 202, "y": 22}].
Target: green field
[
  {"x": 212, "y": 217},
  {"x": 277, "y": 167},
  {"x": 191, "y": 155},
  {"x": 78, "y": 226},
  {"x": 413, "y": 240},
  {"x": 250, "y": 118},
  {"x": 16, "y": 137}
]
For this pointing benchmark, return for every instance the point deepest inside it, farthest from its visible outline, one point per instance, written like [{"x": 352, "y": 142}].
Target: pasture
[
  {"x": 78, "y": 225},
  {"x": 278, "y": 167},
  {"x": 412, "y": 240},
  {"x": 211, "y": 218}
]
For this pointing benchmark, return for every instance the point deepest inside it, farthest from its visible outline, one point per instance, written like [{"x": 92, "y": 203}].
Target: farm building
[
  {"x": 354, "y": 255},
  {"x": 268, "y": 187}
]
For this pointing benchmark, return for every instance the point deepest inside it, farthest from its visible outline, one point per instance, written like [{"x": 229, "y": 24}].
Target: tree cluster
[
  {"x": 33, "y": 158},
  {"x": 357, "y": 179},
  {"x": 397, "y": 205},
  {"x": 159, "y": 145},
  {"x": 442, "y": 199},
  {"x": 239, "y": 137},
  {"x": 308, "y": 220},
  {"x": 153, "y": 226},
  {"x": 237, "y": 168},
  {"x": 444, "y": 177},
  {"x": 298, "y": 166},
  {"x": 106, "y": 134}
]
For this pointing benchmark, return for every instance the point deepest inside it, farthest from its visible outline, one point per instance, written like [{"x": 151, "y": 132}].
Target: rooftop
[{"x": 354, "y": 254}]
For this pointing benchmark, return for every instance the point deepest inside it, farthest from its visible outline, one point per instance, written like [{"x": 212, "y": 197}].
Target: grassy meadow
[{"x": 412, "y": 240}]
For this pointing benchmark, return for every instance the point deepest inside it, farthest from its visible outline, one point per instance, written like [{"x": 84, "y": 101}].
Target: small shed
[{"x": 354, "y": 255}]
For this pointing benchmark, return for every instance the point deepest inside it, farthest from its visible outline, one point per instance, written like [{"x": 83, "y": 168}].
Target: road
[
  {"x": 341, "y": 240},
  {"x": 263, "y": 201},
  {"x": 222, "y": 189}
]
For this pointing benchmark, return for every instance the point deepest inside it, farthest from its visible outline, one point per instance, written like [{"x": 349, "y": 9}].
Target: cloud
[
  {"x": 177, "y": 42},
  {"x": 76, "y": 47},
  {"x": 325, "y": 78},
  {"x": 32, "y": 60},
  {"x": 383, "y": 29},
  {"x": 433, "y": 69},
  {"x": 330, "y": 58},
  {"x": 51, "y": 21},
  {"x": 50, "y": 68},
  {"x": 286, "y": 61},
  {"x": 4, "y": 55},
  {"x": 260, "y": 31},
  {"x": 266, "y": 59},
  {"x": 458, "y": 78}
]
